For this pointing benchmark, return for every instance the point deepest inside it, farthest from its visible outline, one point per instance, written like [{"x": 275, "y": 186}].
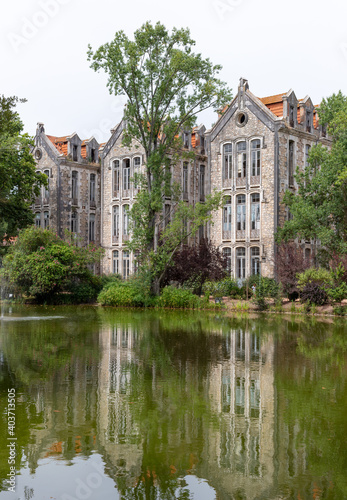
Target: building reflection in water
[{"x": 238, "y": 454}]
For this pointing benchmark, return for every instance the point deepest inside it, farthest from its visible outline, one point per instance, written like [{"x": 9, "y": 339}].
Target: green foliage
[
  {"x": 166, "y": 85},
  {"x": 180, "y": 298},
  {"x": 19, "y": 182},
  {"x": 41, "y": 265},
  {"x": 120, "y": 294},
  {"x": 319, "y": 210},
  {"x": 223, "y": 288},
  {"x": 319, "y": 275}
]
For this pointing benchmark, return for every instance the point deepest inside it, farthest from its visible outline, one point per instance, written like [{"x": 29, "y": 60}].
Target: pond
[{"x": 105, "y": 404}]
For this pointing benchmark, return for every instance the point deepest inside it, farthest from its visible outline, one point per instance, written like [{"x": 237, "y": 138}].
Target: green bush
[
  {"x": 226, "y": 287},
  {"x": 179, "y": 298},
  {"x": 314, "y": 285},
  {"x": 120, "y": 294}
]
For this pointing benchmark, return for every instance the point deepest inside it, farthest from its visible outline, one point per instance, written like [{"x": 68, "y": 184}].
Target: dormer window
[
  {"x": 93, "y": 155},
  {"x": 308, "y": 121},
  {"x": 291, "y": 115},
  {"x": 75, "y": 153}
]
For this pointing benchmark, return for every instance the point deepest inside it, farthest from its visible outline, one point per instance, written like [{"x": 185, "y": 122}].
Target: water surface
[{"x": 159, "y": 405}]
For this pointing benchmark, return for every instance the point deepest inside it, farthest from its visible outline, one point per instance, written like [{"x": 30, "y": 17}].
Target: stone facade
[
  {"x": 72, "y": 199},
  {"x": 251, "y": 154},
  {"x": 253, "y": 151}
]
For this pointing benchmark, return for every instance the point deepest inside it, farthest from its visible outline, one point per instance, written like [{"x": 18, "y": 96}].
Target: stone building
[
  {"x": 251, "y": 154},
  {"x": 120, "y": 167},
  {"x": 72, "y": 199},
  {"x": 253, "y": 151}
]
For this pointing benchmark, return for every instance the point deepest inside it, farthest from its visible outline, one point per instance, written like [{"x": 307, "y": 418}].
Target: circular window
[
  {"x": 38, "y": 154},
  {"x": 241, "y": 119}
]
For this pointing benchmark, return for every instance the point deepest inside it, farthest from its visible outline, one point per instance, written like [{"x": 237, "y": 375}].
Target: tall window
[
  {"x": 255, "y": 211},
  {"x": 291, "y": 116},
  {"x": 74, "y": 187},
  {"x": 167, "y": 214},
  {"x": 227, "y": 214},
  {"x": 227, "y": 257},
  {"x": 291, "y": 163},
  {"x": 92, "y": 189},
  {"x": 202, "y": 183},
  {"x": 241, "y": 262},
  {"x": 74, "y": 222},
  {"x": 308, "y": 121},
  {"x": 75, "y": 152},
  {"x": 45, "y": 220},
  {"x": 116, "y": 221},
  {"x": 38, "y": 220},
  {"x": 46, "y": 191},
  {"x": 92, "y": 227},
  {"x": 126, "y": 175},
  {"x": 125, "y": 220},
  {"x": 241, "y": 212},
  {"x": 116, "y": 185},
  {"x": 126, "y": 264},
  {"x": 228, "y": 162},
  {"x": 241, "y": 159},
  {"x": 255, "y": 151},
  {"x": 255, "y": 260},
  {"x": 115, "y": 266},
  {"x": 136, "y": 165},
  {"x": 185, "y": 180}
]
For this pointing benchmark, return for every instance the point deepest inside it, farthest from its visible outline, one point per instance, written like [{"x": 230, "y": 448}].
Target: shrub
[
  {"x": 290, "y": 261},
  {"x": 226, "y": 287},
  {"x": 120, "y": 294},
  {"x": 314, "y": 285},
  {"x": 179, "y": 298},
  {"x": 314, "y": 293},
  {"x": 41, "y": 265}
]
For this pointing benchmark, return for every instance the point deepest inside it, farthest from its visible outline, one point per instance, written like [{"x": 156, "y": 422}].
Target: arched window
[
  {"x": 227, "y": 217},
  {"x": 92, "y": 190},
  {"x": 126, "y": 175},
  {"x": 241, "y": 263},
  {"x": 115, "y": 262},
  {"x": 255, "y": 151},
  {"x": 115, "y": 235},
  {"x": 255, "y": 212},
  {"x": 38, "y": 219},
  {"x": 126, "y": 264},
  {"x": 46, "y": 189},
  {"x": 74, "y": 222},
  {"x": 92, "y": 227},
  {"x": 126, "y": 221},
  {"x": 255, "y": 260},
  {"x": 45, "y": 220},
  {"x": 74, "y": 187},
  {"x": 227, "y": 257},
  {"x": 228, "y": 162},
  {"x": 241, "y": 212},
  {"x": 241, "y": 160},
  {"x": 136, "y": 165},
  {"x": 116, "y": 185}
]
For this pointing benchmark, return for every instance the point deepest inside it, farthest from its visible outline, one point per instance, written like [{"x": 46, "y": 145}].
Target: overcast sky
[{"x": 275, "y": 44}]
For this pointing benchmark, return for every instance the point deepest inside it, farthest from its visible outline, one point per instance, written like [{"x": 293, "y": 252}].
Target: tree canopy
[
  {"x": 319, "y": 210},
  {"x": 167, "y": 85},
  {"x": 19, "y": 182}
]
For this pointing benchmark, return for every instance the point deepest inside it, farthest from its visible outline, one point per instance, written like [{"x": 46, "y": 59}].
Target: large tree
[
  {"x": 19, "y": 182},
  {"x": 167, "y": 85},
  {"x": 319, "y": 210}
]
